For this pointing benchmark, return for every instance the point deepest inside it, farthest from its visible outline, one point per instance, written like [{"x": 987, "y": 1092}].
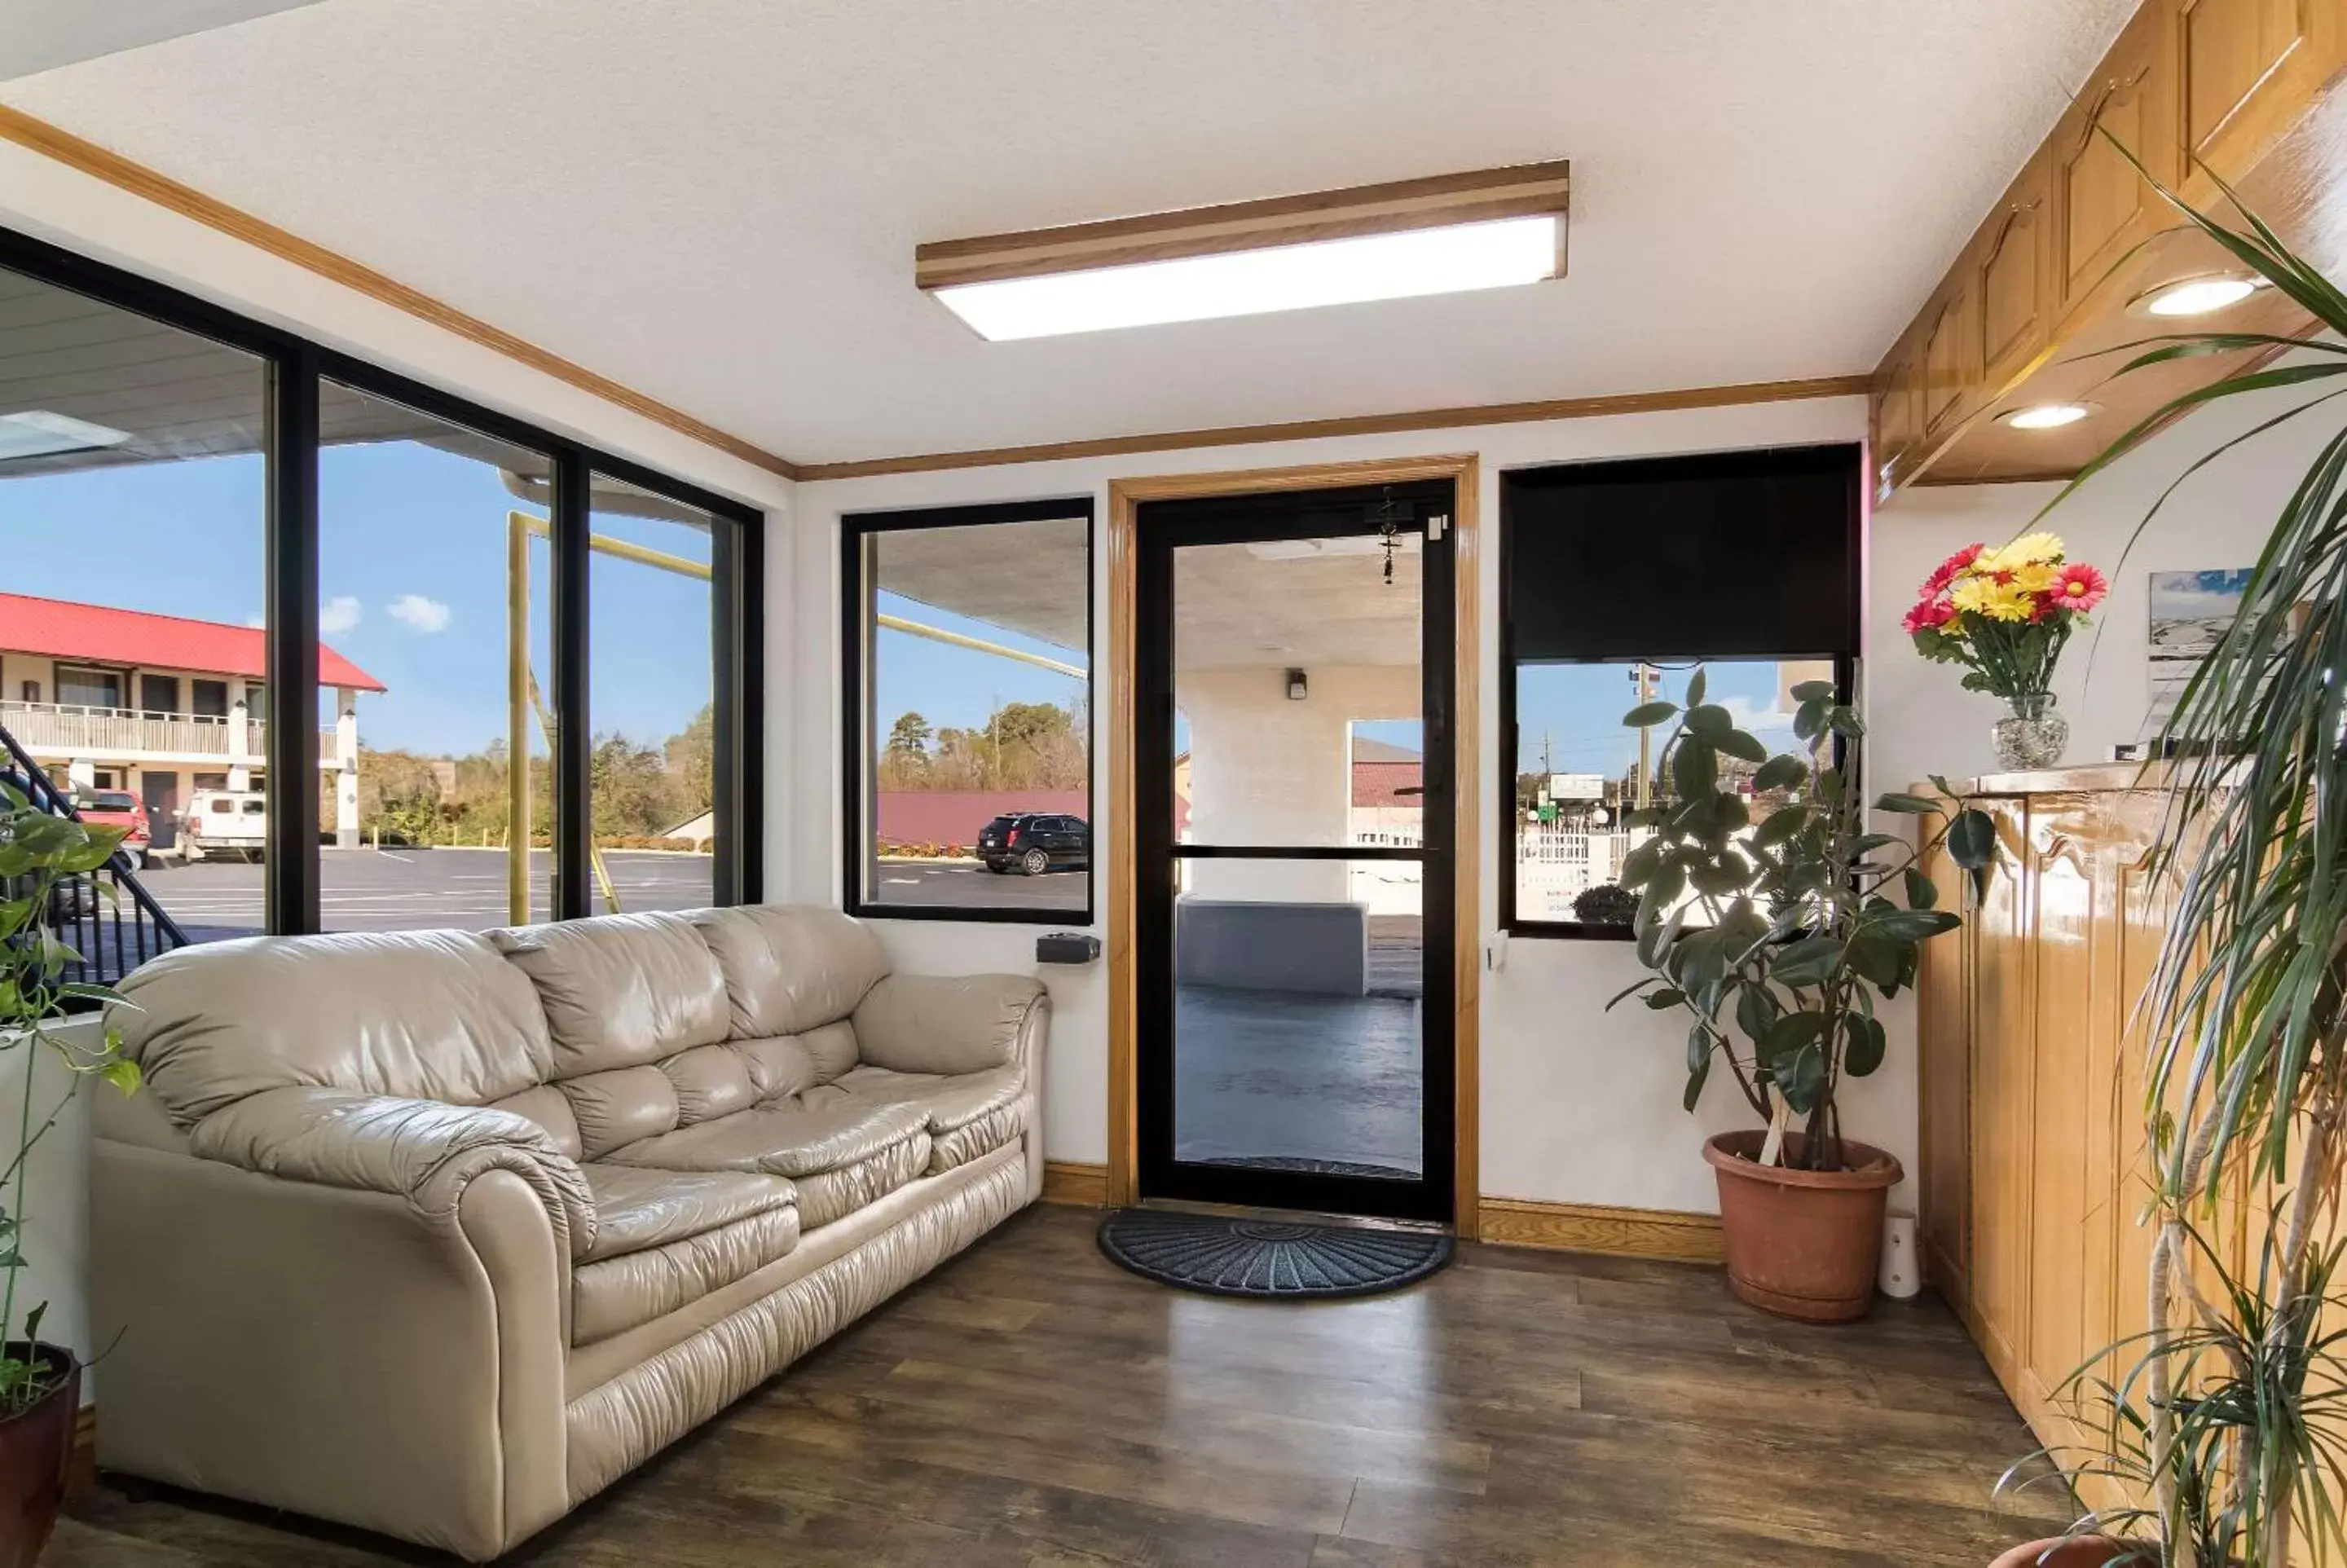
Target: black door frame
[{"x": 1161, "y": 527}]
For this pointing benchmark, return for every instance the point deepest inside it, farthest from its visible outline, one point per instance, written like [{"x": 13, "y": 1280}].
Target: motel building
[{"x": 158, "y": 706}]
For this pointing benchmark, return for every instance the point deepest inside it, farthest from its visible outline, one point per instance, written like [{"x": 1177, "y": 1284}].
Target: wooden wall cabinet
[{"x": 2044, "y": 286}]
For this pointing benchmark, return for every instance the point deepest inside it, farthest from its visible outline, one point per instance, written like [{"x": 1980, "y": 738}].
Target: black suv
[{"x": 1034, "y": 842}]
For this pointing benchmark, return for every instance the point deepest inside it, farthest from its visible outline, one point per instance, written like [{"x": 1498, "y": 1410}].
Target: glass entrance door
[{"x": 1293, "y": 907}]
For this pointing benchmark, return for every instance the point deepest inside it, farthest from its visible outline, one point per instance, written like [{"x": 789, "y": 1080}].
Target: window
[
  {"x": 442, "y": 556},
  {"x": 653, "y": 699},
  {"x": 968, "y": 704},
  {"x": 133, "y": 514},
  {"x": 1616, "y": 580},
  {"x": 435, "y": 671}
]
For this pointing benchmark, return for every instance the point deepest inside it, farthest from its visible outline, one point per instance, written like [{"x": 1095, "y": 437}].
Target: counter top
[{"x": 2077, "y": 780}]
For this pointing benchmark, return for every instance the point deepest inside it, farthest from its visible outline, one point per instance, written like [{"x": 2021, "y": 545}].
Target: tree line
[
  {"x": 1024, "y": 745},
  {"x": 635, "y": 790}
]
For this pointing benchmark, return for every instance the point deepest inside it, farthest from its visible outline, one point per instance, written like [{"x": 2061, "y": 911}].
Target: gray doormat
[{"x": 1270, "y": 1259}]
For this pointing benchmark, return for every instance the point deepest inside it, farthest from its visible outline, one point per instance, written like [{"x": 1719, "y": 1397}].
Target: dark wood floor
[{"x": 1030, "y": 1404}]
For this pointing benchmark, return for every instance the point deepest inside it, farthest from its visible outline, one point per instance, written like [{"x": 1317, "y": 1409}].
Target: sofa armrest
[
  {"x": 423, "y": 1150},
  {"x": 952, "y": 1024}
]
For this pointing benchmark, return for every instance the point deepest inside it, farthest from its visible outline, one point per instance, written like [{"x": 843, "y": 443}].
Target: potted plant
[
  {"x": 42, "y": 857},
  {"x": 2003, "y": 612},
  {"x": 1773, "y": 918},
  {"x": 2230, "y": 1425}
]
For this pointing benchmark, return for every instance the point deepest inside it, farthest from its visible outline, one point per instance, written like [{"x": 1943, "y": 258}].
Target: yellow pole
[{"x": 518, "y": 686}]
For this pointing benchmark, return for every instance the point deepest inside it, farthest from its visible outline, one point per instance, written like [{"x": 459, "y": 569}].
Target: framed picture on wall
[{"x": 2189, "y": 613}]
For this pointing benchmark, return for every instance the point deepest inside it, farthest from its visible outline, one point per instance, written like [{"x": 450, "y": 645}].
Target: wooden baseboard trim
[
  {"x": 125, "y": 174},
  {"x": 1075, "y": 1182},
  {"x": 1355, "y": 424},
  {"x": 1668, "y": 1234}
]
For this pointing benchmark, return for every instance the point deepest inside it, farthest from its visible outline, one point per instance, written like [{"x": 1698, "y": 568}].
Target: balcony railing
[{"x": 105, "y": 731}]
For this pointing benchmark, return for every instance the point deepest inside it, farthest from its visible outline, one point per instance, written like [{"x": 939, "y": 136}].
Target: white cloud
[
  {"x": 418, "y": 613},
  {"x": 256, "y": 620},
  {"x": 341, "y": 613},
  {"x": 1753, "y": 719}
]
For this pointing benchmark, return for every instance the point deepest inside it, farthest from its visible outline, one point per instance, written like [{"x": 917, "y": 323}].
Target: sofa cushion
[
  {"x": 789, "y": 968},
  {"x": 638, "y": 1208},
  {"x": 546, "y": 1106},
  {"x": 784, "y": 1138},
  {"x": 616, "y": 1293},
  {"x": 839, "y": 1192},
  {"x": 968, "y": 1115},
  {"x": 790, "y": 1064},
  {"x": 945, "y": 1024},
  {"x": 619, "y": 1106},
  {"x": 421, "y": 1015},
  {"x": 620, "y": 989}
]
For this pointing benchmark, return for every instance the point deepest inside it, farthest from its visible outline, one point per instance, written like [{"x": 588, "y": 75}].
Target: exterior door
[
  {"x": 160, "y": 792},
  {"x": 1294, "y": 838}
]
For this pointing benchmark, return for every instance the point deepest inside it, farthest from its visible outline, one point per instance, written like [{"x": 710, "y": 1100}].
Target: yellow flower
[
  {"x": 2035, "y": 576},
  {"x": 1997, "y": 601},
  {"x": 2029, "y": 550}
]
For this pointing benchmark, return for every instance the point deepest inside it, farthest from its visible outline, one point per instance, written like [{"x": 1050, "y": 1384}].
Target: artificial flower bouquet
[{"x": 2003, "y": 614}]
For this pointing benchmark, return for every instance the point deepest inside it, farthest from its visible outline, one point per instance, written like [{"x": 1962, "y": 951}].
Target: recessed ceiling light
[
  {"x": 2046, "y": 415},
  {"x": 1445, "y": 235},
  {"x": 37, "y": 433},
  {"x": 2196, "y": 296}
]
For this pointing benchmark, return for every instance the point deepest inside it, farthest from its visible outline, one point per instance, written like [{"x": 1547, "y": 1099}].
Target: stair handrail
[{"x": 45, "y": 794}]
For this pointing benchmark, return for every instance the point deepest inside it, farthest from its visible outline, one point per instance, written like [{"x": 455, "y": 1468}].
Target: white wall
[{"x": 2218, "y": 518}]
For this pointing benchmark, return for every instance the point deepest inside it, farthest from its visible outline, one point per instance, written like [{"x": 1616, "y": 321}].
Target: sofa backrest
[
  {"x": 424, "y": 1015},
  {"x": 602, "y": 1030}
]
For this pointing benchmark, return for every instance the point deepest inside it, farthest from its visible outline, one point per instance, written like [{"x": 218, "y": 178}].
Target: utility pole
[
  {"x": 1548, "y": 761},
  {"x": 1642, "y": 677}
]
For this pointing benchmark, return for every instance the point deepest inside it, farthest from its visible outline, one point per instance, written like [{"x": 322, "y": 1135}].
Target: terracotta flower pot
[
  {"x": 2071, "y": 1552},
  {"x": 1802, "y": 1244},
  {"x": 35, "y": 1452}
]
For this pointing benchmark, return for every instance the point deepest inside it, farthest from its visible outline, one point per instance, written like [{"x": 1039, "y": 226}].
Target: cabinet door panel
[
  {"x": 2230, "y": 50},
  {"x": 2003, "y": 1096}
]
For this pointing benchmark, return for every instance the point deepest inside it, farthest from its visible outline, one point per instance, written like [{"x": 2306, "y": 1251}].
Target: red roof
[{"x": 61, "y": 628}]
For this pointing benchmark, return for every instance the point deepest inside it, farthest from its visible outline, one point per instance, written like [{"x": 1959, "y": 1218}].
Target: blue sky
[
  {"x": 412, "y": 582},
  {"x": 1578, "y": 709}
]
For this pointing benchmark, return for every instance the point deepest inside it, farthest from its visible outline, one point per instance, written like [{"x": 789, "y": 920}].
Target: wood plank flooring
[{"x": 1032, "y": 1405}]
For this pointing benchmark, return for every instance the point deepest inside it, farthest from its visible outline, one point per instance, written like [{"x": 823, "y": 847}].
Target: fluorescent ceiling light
[
  {"x": 37, "y": 433},
  {"x": 2046, "y": 415},
  {"x": 1495, "y": 255},
  {"x": 1495, "y": 229},
  {"x": 2198, "y": 296}
]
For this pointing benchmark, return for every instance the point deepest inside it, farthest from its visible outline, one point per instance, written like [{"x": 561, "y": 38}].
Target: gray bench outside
[{"x": 1244, "y": 945}]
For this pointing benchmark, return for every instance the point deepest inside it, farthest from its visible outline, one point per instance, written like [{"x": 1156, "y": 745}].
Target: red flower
[
  {"x": 1928, "y": 612},
  {"x": 2078, "y": 588},
  {"x": 1945, "y": 572}
]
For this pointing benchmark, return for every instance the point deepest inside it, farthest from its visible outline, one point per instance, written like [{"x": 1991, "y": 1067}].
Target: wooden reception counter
[{"x": 2031, "y": 1080}]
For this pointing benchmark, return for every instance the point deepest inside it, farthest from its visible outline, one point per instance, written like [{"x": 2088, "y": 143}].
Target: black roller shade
[{"x": 1729, "y": 554}]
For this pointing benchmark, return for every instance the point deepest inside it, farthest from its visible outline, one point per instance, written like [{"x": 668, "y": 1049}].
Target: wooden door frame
[{"x": 1125, "y": 498}]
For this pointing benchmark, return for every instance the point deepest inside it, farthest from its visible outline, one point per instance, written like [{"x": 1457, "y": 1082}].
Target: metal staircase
[{"x": 112, "y": 936}]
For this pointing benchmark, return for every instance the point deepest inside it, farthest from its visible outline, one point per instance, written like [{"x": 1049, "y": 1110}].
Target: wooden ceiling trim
[{"x": 125, "y": 174}]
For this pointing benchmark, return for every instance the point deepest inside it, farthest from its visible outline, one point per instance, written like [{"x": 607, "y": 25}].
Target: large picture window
[
  {"x": 968, "y": 698},
  {"x": 1617, "y": 580},
  {"x": 345, "y": 651}
]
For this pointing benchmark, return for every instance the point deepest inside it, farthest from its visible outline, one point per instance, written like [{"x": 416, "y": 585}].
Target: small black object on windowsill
[{"x": 1067, "y": 948}]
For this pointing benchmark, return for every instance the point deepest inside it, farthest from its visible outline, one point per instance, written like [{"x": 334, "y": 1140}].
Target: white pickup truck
[{"x": 225, "y": 822}]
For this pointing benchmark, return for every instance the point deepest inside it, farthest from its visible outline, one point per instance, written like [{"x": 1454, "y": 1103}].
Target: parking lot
[{"x": 391, "y": 890}]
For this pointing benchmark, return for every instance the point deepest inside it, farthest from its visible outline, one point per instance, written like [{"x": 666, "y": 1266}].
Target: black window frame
[
  {"x": 856, "y": 731},
  {"x": 1508, "y": 816},
  {"x": 294, "y": 366}
]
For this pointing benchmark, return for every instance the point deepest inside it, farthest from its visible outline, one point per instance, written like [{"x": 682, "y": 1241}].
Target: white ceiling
[
  {"x": 717, "y": 203},
  {"x": 42, "y": 35}
]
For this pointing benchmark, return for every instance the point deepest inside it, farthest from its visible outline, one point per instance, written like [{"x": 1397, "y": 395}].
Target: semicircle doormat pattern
[{"x": 1269, "y": 1260}]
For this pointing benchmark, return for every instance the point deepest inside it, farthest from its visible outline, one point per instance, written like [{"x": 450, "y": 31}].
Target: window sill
[
  {"x": 1569, "y": 930},
  {"x": 976, "y": 915}
]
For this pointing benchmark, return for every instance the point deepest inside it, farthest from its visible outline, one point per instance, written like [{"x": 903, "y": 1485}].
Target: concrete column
[
  {"x": 1267, "y": 769},
  {"x": 239, "y": 735},
  {"x": 82, "y": 773},
  {"x": 346, "y": 768}
]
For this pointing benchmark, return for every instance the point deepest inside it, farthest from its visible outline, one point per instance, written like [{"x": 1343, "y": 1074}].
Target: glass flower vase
[{"x": 2032, "y": 735}]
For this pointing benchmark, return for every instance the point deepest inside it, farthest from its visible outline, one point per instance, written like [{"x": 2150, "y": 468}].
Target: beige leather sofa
[{"x": 440, "y": 1233}]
